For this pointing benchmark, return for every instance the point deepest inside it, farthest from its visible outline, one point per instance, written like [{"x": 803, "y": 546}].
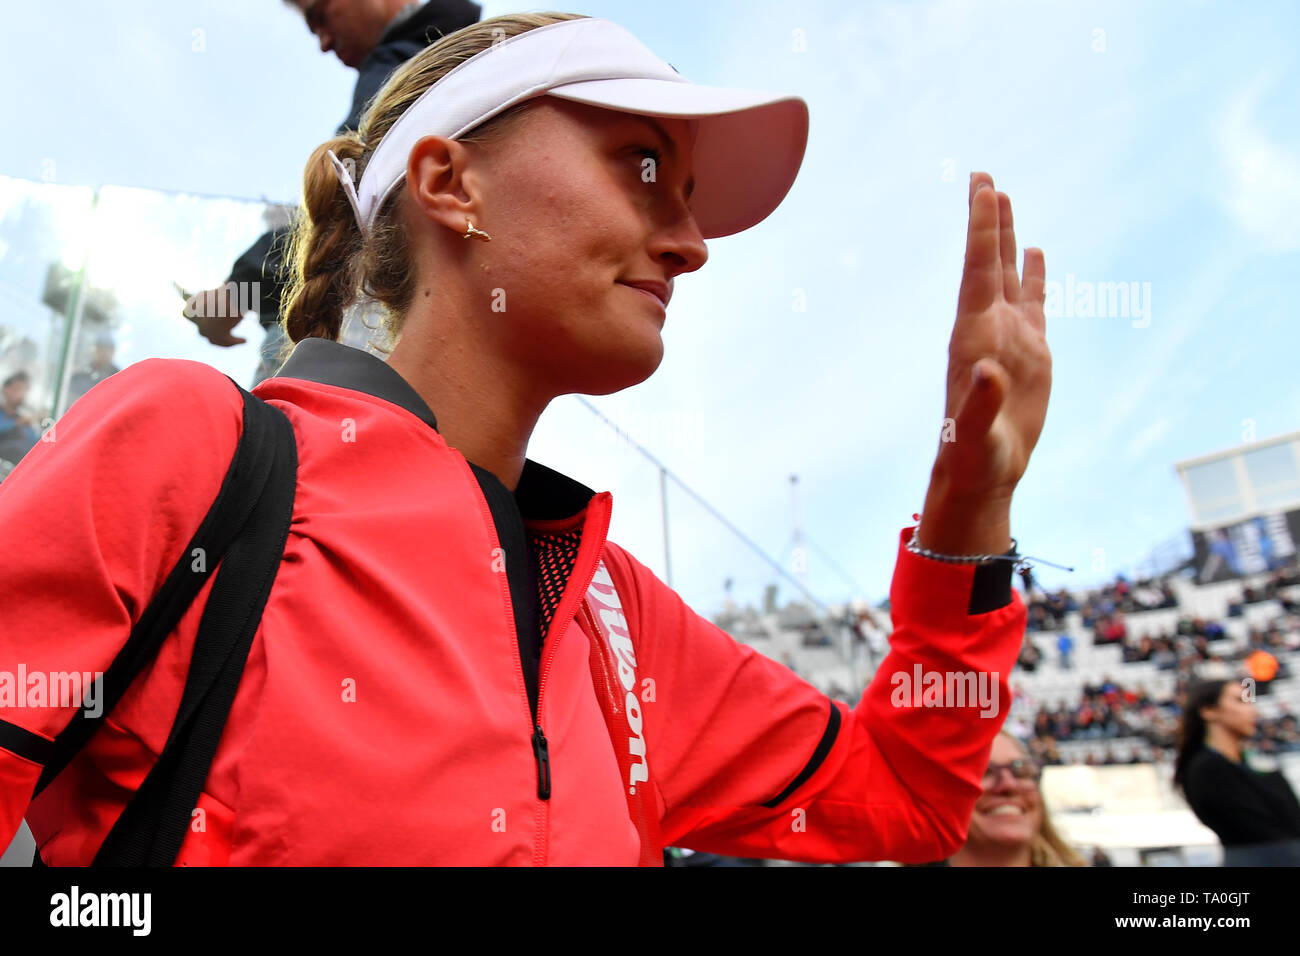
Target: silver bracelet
[
  {"x": 915, "y": 548},
  {"x": 1017, "y": 560}
]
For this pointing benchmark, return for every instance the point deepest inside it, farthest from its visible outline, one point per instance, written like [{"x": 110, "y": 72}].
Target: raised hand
[{"x": 999, "y": 380}]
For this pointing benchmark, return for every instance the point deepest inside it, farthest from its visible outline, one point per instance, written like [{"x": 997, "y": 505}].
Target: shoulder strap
[
  {"x": 250, "y": 466},
  {"x": 152, "y": 828}
]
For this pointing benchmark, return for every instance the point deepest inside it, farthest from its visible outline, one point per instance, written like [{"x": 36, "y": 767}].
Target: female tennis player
[{"x": 454, "y": 664}]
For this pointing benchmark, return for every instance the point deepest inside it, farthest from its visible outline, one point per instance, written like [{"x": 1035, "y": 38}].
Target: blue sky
[{"x": 1151, "y": 143}]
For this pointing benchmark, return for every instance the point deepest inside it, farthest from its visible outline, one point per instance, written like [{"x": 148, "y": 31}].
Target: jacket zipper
[
  {"x": 542, "y": 757},
  {"x": 540, "y": 751},
  {"x": 543, "y": 763}
]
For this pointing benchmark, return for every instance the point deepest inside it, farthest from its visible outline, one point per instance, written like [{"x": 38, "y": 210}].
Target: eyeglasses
[{"x": 1024, "y": 772}]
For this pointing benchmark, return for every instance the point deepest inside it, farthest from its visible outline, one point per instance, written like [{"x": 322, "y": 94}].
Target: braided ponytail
[{"x": 324, "y": 246}]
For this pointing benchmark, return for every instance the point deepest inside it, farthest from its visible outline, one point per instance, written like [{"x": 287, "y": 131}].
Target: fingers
[
  {"x": 975, "y": 180},
  {"x": 225, "y": 315},
  {"x": 223, "y": 337},
  {"x": 1034, "y": 290},
  {"x": 225, "y": 341},
  {"x": 982, "y": 276},
  {"x": 1007, "y": 249}
]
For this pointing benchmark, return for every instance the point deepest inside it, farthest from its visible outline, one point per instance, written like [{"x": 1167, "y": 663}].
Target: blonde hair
[{"x": 330, "y": 263}]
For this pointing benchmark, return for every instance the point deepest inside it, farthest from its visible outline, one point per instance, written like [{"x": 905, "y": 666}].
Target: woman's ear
[{"x": 442, "y": 185}]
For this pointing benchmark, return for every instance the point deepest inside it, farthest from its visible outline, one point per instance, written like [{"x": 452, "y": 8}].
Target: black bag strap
[
  {"x": 245, "y": 479},
  {"x": 253, "y": 508},
  {"x": 153, "y": 826}
]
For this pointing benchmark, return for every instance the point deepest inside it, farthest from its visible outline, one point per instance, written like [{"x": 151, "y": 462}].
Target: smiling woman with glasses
[{"x": 1010, "y": 825}]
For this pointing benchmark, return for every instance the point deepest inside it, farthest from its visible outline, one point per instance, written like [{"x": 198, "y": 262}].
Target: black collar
[
  {"x": 543, "y": 493},
  {"x": 332, "y": 363}
]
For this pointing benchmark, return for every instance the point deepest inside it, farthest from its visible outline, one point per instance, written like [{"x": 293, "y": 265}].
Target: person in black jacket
[
  {"x": 374, "y": 37},
  {"x": 1255, "y": 815}
]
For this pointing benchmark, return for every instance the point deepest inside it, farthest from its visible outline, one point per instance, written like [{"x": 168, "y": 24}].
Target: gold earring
[{"x": 472, "y": 233}]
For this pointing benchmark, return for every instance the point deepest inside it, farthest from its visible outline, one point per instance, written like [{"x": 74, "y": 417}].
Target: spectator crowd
[{"x": 1112, "y": 710}]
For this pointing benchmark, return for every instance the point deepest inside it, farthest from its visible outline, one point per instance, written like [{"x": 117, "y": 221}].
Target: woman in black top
[{"x": 1255, "y": 815}]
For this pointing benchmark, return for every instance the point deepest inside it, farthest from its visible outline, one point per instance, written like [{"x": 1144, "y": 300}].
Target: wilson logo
[{"x": 607, "y": 612}]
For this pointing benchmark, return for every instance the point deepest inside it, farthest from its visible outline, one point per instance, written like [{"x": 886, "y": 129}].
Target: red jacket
[{"x": 384, "y": 715}]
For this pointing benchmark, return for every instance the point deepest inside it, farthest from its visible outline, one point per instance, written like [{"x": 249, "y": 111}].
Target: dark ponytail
[{"x": 1191, "y": 729}]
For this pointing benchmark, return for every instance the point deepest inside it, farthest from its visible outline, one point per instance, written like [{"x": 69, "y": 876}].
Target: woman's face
[
  {"x": 575, "y": 212},
  {"x": 1009, "y": 811},
  {"x": 1235, "y": 715}
]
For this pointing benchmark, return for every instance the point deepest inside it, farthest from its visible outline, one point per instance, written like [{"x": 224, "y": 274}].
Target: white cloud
[{"x": 1261, "y": 176}]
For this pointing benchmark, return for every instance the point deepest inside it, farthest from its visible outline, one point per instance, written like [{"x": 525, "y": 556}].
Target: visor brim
[{"x": 748, "y": 146}]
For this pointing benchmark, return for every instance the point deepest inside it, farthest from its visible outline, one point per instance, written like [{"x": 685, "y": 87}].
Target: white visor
[{"x": 747, "y": 146}]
